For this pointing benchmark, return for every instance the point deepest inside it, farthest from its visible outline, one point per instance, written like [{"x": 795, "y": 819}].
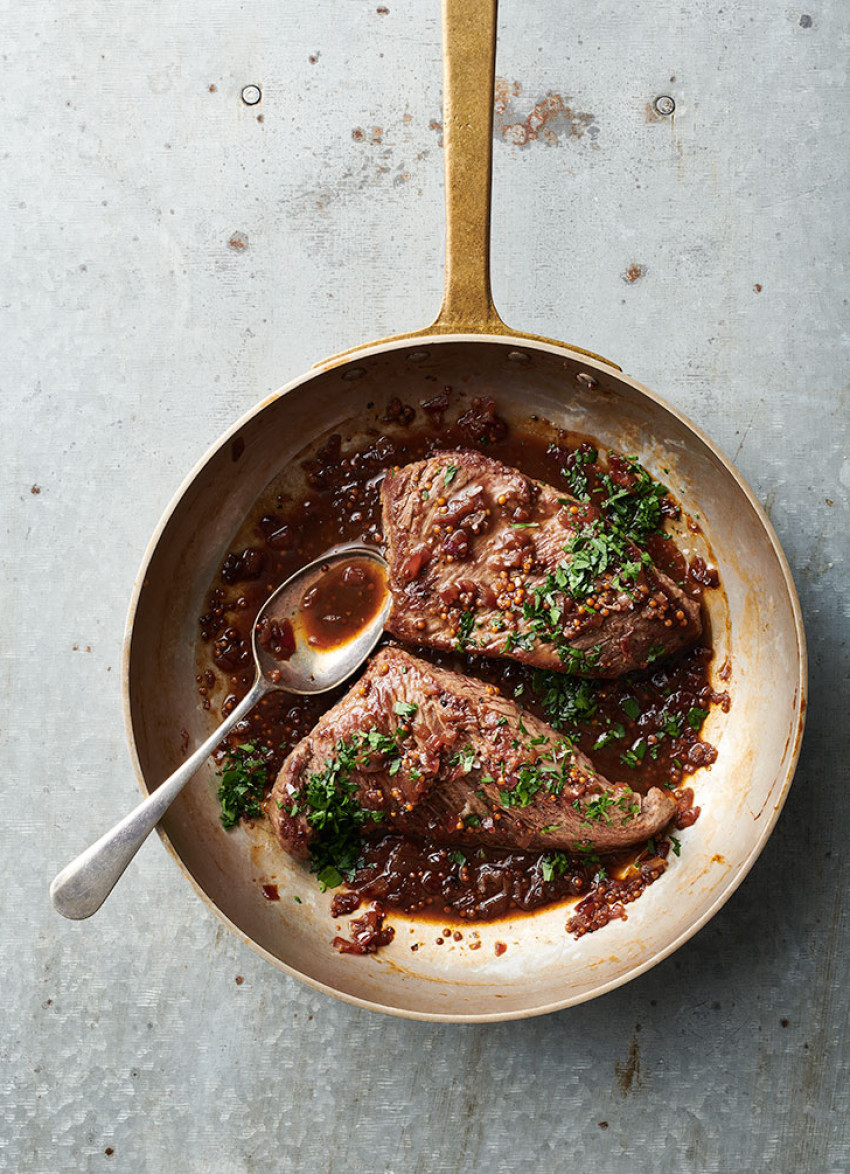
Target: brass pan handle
[{"x": 469, "y": 78}]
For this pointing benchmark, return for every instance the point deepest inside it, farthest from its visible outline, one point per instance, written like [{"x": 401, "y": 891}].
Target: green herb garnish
[
  {"x": 553, "y": 864},
  {"x": 630, "y": 707},
  {"x": 566, "y": 700},
  {"x": 636, "y": 510},
  {"x": 332, "y": 809},
  {"x": 464, "y": 632},
  {"x": 244, "y": 777}
]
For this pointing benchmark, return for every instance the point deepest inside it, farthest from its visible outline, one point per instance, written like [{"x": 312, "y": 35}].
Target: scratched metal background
[{"x": 169, "y": 256}]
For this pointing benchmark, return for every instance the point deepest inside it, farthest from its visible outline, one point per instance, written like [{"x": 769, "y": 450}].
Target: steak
[
  {"x": 431, "y": 753},
  {"x": 484, "y": 559}
]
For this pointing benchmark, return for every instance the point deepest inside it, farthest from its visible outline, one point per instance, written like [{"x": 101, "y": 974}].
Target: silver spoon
[{"x": 81, "y": 888}]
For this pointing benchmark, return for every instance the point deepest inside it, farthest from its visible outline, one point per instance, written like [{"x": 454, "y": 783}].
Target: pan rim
[{"x": 800, "y": 692}]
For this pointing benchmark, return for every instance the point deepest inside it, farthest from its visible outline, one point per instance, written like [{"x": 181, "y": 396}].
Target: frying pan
[{"x": 755, "y": 621}]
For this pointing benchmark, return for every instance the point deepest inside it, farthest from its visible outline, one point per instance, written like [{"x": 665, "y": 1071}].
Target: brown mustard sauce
[
  {"x": 342, "y": 603},
  {"x": 643, "y": 728}
]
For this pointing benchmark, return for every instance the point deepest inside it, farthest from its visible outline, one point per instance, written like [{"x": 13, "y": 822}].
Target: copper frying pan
[{"x": 756, "y": 623}]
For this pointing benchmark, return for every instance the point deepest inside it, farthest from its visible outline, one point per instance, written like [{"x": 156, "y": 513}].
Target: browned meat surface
[
  {"x": 432, "y": 753},
  {"x": 487, "y": 560}
]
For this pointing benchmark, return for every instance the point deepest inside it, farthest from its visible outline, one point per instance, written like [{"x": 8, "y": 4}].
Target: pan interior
[{"x": 755, "y": 623}]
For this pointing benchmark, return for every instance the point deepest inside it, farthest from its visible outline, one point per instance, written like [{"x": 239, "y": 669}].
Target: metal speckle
[
  {"x": 664, "y": 104},
  {"x": 251, "y": 95}
]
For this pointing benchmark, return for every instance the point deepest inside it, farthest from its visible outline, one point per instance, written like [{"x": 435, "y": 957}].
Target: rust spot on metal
[
  {"x": 238, "y": 241},
  {"x": 213, "y": 88},
  {"x": 239, "y": 980},
  {"x": 435, "y": 125},
  {"x": 35, "y": 490},
  {"x": 382, "y": 11},
  {"x": 633, "y": 273},
  {"x": 259, "y": 118},
  {"x": 718, "y": 859},
  {"x": 313, "y": 58},
  {"x": 757, "y": 287},
  {"x": 627, "y": 1072},
  {"x": 375, "y": 136},
  {"x": 549, "y": 119}
]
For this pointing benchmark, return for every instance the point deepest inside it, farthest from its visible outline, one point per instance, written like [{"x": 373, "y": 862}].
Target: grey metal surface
[{"x": 168, "y": 259}]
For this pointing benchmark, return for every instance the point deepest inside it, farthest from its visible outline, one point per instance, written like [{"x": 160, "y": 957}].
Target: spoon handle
[{"x": 81, "y": 888}]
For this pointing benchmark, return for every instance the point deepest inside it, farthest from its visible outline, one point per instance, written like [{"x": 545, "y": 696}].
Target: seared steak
[
  {"x": 432, "y": 753},
  {"x": 487, "y": 560}
]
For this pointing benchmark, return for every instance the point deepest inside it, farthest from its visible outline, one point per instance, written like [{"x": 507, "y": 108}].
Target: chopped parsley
[
  {"x": 592, "y": 551},
  {"x": 457, "y": 857},
  {"x": 472, "y": 821},
  {"x": 676, "y": 845},
  {"x": 548, "y": 772},
  {"x": 598, "y": 810},
  {"x": 575, "y": 474},
  {"x": 525, "y": 641},
  {"x": 696, "y": 717},
  {"x": 332, "y": 809},
  {"x": 630, "y": 707},
  {"x": 405, "y": 709},
  {"x": 553, "y": 864},
  {"x": 566, "y": 700},
  {"x": 464, "y": 632},
  {"x": 634, "y": 757},
  {"x": 611, "y": 735},
  {"x": 636, "y": 510},
  {"x": 464, "y": 758},
  {"x": 244, "y": 777},
  {"x": 449, "y": 473},
  {"x": 672, "y": 725},
  {"x": 577, "y": 661}
]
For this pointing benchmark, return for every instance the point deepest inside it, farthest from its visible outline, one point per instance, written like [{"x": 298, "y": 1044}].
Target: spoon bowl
[
  {"x": 310, "y": 635},
  {"x": 328, "y": 644}
]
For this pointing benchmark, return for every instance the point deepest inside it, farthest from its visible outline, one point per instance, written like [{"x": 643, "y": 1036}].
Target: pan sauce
[{"x": 643, "y": 729}]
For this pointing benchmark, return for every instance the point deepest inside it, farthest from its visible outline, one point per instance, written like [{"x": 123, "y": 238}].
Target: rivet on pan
[
  {"x": 418, "y": 356},
  {"x": 587, "y": 380},
  {"x": 354, "y": 373},
  {"x": 517, "y": 356},
  {"x": 664, "y": 104},
  {"x": 251, "y": 95}
]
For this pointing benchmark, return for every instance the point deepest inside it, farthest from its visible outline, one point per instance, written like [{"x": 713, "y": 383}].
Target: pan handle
[{"x": 469, "y": 77}]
